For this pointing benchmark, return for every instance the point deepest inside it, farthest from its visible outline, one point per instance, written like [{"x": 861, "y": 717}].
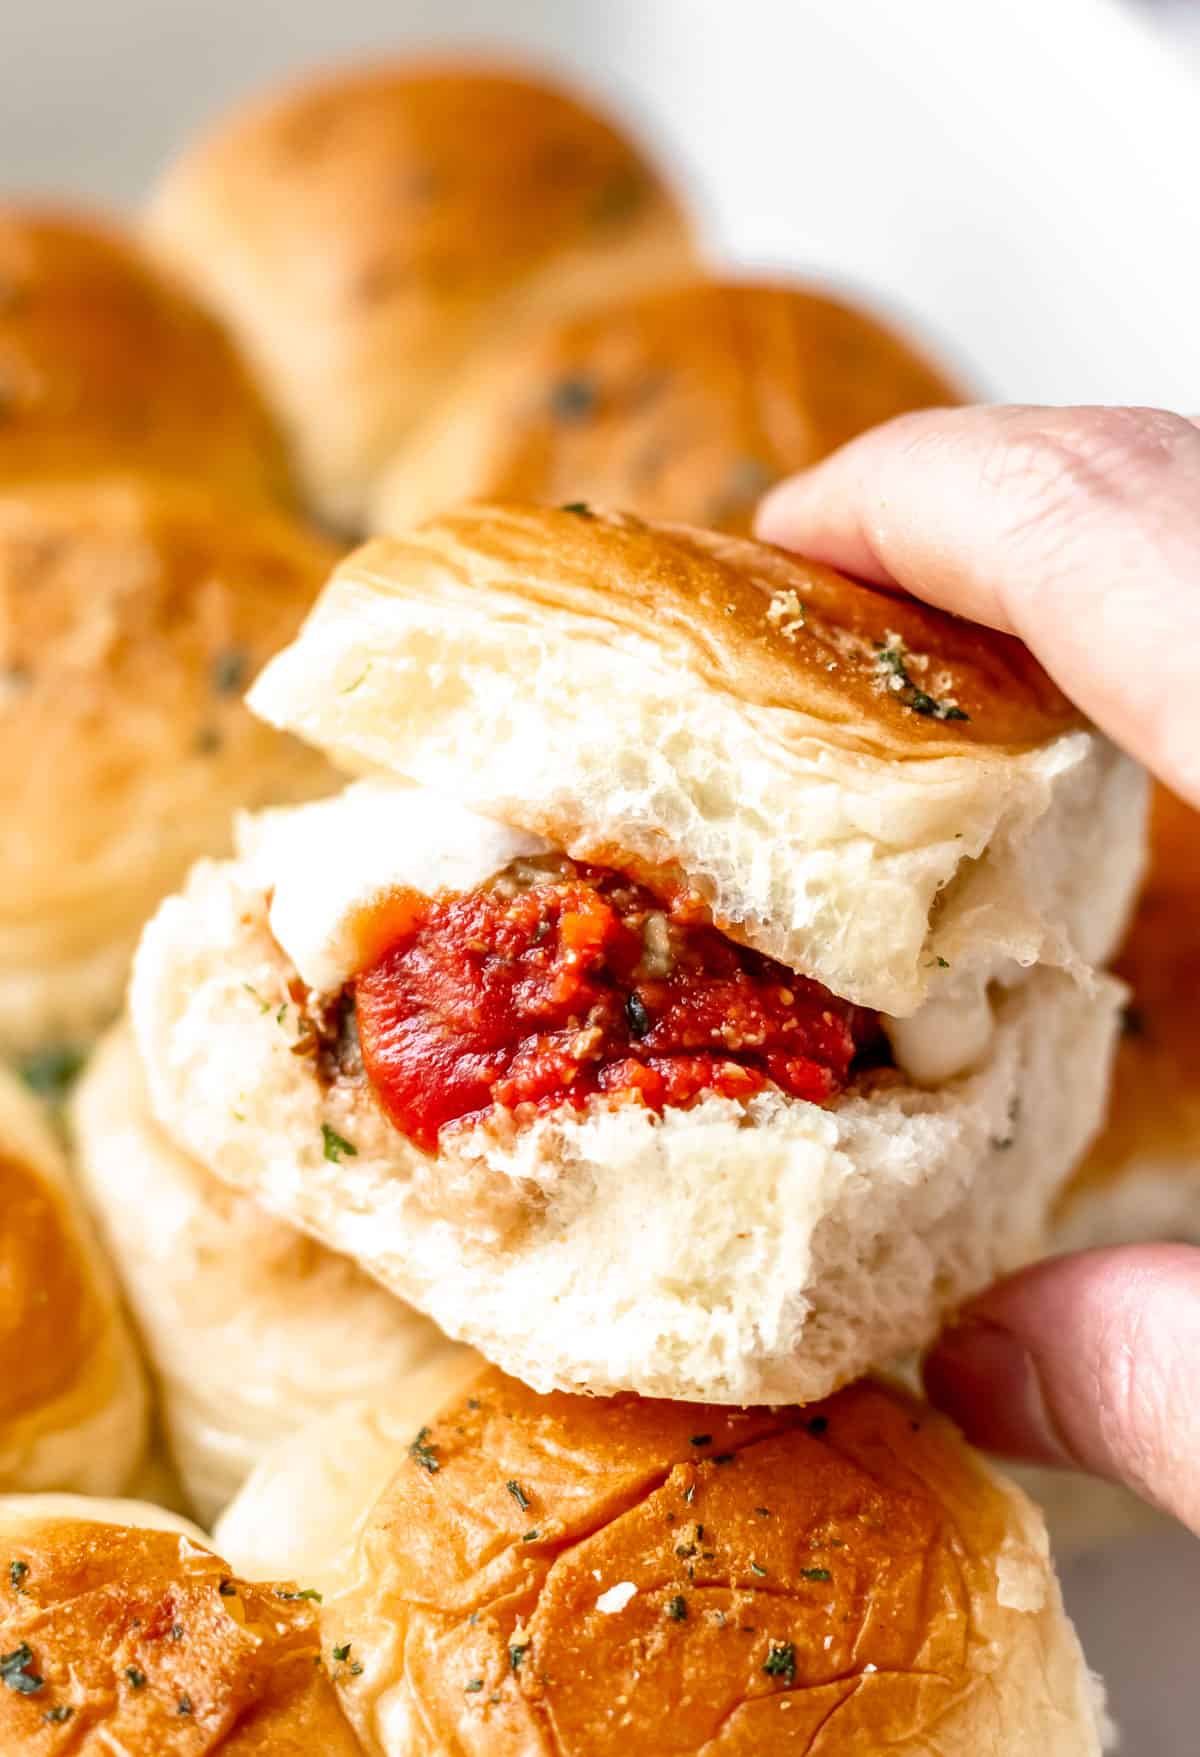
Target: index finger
[{"x": 1077, "y": 529}]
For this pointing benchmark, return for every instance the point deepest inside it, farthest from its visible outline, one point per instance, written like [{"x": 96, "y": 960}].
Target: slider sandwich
[
  {"x": 366, "y": 232},
  {"x": 685, "y": 402},
  {"x": 598, "y": 1577},
  {"x": 697, "y": 991},
  {"x": 252, "y": 1327},
  {"x": 107, "y": 363},
  {"x": 73, "y": 1402}
]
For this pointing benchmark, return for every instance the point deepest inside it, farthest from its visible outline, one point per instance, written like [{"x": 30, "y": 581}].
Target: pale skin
[{"x": 1079, "y": 531}]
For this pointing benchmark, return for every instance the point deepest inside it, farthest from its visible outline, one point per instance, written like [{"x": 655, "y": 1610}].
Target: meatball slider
[
  {"x": 107, "y": 363},
  {"x": 685, "y": 402},
  {"x": 134, "y": 611},
  {"x": 72, "y": 1397},
  {"x": 123, "y": 1632},
  {"x": 365, "y": 231},
  {"x": 699, "y": 991},
  {"x": 252, "y": 1327},
  {"x": 592, "y": 1577}
]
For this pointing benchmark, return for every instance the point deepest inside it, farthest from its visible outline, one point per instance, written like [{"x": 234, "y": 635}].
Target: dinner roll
[
  {"x": 106, "y": 363},
  {"x": 683, "y": 403},
  {"x": 119, "y": 1638},
  {"x": 252, "y": 1327},
  {"x": 133, "y": 613},
  {"x": 138, "y": 1514},
  {"x": 365, "y": 231},
  {"x": 298, "y": 1513},
  {"x": 72, "y": 1401},
  {"x": 595, "y": 1577},
  {"x": 738, "y": 910},
  {"x": 1141, "y": 1181}
]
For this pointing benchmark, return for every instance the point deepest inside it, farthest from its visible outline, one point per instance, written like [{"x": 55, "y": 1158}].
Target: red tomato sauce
[{"x": 581, "y": 982}]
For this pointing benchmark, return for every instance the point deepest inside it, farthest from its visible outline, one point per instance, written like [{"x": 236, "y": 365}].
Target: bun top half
[
  {"x": 624, "y": 1576},
  {"x": 130, "y": 1639},
  {"x": 364, "y": 231},
  {"x": 684, "y": 403},
  {"x": 107, "y": 363},
  {"x": 816, "y": 759}
]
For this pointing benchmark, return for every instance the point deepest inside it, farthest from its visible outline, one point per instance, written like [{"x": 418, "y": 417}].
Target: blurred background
[{"x": 1015, "y": 179}]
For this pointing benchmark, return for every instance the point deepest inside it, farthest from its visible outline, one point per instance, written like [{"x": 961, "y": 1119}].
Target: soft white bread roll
[
  {"x": 252, "y": 1327},
  {"x": 685, "y": 402},
  {"x": 603, "y": 1578},
  {"x": 124, "y": 1637},
  {"x": 630, "y": 1195},
  {"x": 1141, "y": 1180},
  {"x": 365, "y": 231},
  {"x": 298, "y": 1514},
  {"x": 107, "y": 363},
  {"x": 133, "y": 613},
  {"x": 136, "y": 1513},
  {"x": 72, "y": 1400}
]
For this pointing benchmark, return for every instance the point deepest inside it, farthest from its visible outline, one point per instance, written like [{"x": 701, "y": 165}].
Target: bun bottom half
[{"x": 734, "y": 1254}]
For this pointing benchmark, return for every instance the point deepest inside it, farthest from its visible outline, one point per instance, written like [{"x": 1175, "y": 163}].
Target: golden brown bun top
[
  {"x": 769, "y": 628},
  {"x": 1154, "y": 1107},
  {"x": 686, "y": 403},
  {"x": 613, "y": 1575},
  {"x": 107, "y": 364},
  {"x": 138, "y": 1642},
  {"x": 133, "y": 615},
  {"x": 362, "y": 183},
  {"x": 42, "y": 1272}
]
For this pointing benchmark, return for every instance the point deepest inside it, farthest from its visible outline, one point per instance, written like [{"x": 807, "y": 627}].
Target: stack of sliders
[{"x": 691, "y": 996}]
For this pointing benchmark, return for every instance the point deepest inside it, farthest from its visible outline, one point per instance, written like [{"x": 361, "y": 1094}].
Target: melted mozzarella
[
  {"x": 952, "y": 1031},
  {"x": 328, "y": 866}
]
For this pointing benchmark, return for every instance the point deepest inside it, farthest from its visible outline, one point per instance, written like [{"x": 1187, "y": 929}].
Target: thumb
[{"x": 1089, "y": 1361}]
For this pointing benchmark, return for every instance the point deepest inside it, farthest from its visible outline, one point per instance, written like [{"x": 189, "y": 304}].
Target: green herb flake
[
  {"x": 185, "y": 1705},
  {"x": 16, "y": 1575},
  {"x": 518, "y": 1494},
  {"x": 473, "y": 1686},
  {"x": 307, "y": 1592},
  {"x": 781, "y": 1661},
  {"x": 342, "y": 1654},
  {"x": 51, "y": 1071},
  {"x": 516, "y": 1654},
  {"x": 701, "y": 1440},
  {"x": 137, "y": 1679},
  {"x": 229, "y": 671},
  {"x": 337, "y": 1147},
  {"x": 226, "y": 1588},
  {"x": 580, "y": 508},
  {"x": 815, "y": 1574},
  {"x": 892, "y": 661},
  {"x": 763, "y": 1512},
  {"x": 677, "y": 1608},
  {"x": 755, "y": 1569},
  {"x": 531, "y": 1536},
  {"x": 61, "y": 1712},
  {"x": 355, "y": 1669},
  {"x": 263, "y": 1006},
  {"x": 424, "y": 1454},
  {"x": 14, "y": 1672},
  {"x": 176, "y": 1631}
]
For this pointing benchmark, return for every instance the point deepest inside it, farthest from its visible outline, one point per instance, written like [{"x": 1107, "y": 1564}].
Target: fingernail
[{"x": 985, "y": 1378}]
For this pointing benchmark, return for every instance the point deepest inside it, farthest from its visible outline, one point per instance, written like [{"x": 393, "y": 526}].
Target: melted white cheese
[
  {"x": 951, "y": 1032},
  {"x": 327, "y": 865}
]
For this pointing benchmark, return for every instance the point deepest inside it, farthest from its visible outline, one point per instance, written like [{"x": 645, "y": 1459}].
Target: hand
[{"x": 1079, "y": 531}]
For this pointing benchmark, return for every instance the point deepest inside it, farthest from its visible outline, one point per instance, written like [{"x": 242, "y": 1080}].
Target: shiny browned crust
[
  {"x": 133, "y": 615},
  {"x": 834, "y": 1559},
  {"x": 106, "y": 363},
  {"x": 364, "y": 231},
  {"x": 769, "y": 628},
  {"x": 49, "y": 1316},
  {"x": 143, "y": 1644},
  {"x": 685, "y": 404},
  {"x": 1154, "y": 1108}
]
